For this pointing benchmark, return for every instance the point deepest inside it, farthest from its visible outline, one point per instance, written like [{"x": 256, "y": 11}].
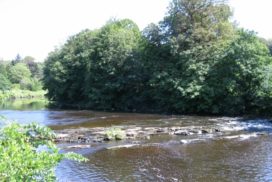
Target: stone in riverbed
[
  {"x": 107, "y": 138},
  {"x": 78, "y": 146},
  {"x": 174, "y": 128},
  {"x": 98, "y": 140},
  {"x": 131, "y": 134},
  {"x": 193, "y": 131},
  {"x": 62, "y": 135},
  {"x": 181, "y": 132},
  {"x": 83, "y": 139},
  {"x": 161, "y": 130},
  {"x": 190, "y": 141},
  {"x": 204, "y": 131},
  {"x": 262, "y": 134},
  {"x": 147, "y": 137},
  {"x": 119, "y": 137},
  {"x": 122, "y": 146}
]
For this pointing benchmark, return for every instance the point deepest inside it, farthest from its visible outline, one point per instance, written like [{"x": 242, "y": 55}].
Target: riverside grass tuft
[{"x": 114, "y": 133}]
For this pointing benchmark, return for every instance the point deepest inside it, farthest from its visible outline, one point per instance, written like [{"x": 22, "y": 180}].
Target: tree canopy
[
  {"x": 24, "y": 74},
  {"x": 193, "y": 61}
]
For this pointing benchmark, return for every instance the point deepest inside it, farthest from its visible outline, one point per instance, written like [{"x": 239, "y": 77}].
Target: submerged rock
[
  {"x": 78, "y": 146},
  {"x": 119, "y": 137},
  {"x": 161, "y": 130},
  {"x": 122, "y": 146},
  {"x": 181, "y": 132},
  {"x": 98, "y": 140},
  {"x": 190, "y": 141},
  {"x": 204, "y": 132},
  {"x": 61, "y": 135},
  {"x": 131, "y": 134}
]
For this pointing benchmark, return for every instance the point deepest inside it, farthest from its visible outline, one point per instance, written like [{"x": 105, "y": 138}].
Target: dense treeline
[
  {"x": 21, "y": 74},
  {"x": 194, "y": 61}
]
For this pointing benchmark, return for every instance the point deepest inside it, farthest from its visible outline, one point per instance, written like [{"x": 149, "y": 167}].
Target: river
[{"x": 243, "y": 152}]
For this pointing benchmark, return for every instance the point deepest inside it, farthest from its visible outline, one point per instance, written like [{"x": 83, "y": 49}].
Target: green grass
[{"x": 114, "y": 133}]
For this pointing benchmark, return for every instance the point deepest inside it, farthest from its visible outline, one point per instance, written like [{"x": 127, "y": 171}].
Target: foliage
[
  {"x": 19, "y": 72},
  {"x": 4, "y": 83},
  {"x": 269, "y": 44},
  {"x": 34, "y": 67},
  {"x": 19, "y": 94},
  {"x": 192, "y": 35},
  {"x": 17, "y": 59},
  {"x": 24, "y": 74},
  {"x": 193, "y": 61},
  {"x": 92, "y": 67},
  {"x": 110, "y": 72},
  {"x": 237, "y": 80},
  {"x": 32, "y": 84},
  {"x": 27, "y": 153}
]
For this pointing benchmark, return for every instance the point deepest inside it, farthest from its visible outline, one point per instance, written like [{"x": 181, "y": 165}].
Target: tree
[
  {"x": 193, "y": 61},
  {"x": 65, "y": 68},
  {"x": 3, "y": 69},
  {"x": 34, "y": 67},
  {"x": 19, "y": 72},
  {"x": 17, "y": 59},
  {"x": 192, "y": 35},
  {"x": 92, "y": 67},
  {"x": 4, "y": 83},
  {"x": 235, "y": 83},
  {"x": 269, "y": 44},
  {"x": 196, "y": 22},
  {"x": 115, "y": 58}
]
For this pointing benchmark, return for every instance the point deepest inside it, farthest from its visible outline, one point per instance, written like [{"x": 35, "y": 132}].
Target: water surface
[{"x": 161, "y": 158}]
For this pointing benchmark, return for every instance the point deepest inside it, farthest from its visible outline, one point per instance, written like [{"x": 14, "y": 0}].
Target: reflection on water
[
  {"x": 23, "y": 104},
  {"x": 162, "y": 158}
]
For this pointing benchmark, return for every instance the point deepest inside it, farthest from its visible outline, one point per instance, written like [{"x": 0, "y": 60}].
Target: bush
[{"x": 27, "y": 153}]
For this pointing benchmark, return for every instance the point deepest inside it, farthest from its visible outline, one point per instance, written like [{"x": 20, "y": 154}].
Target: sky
[{"x": 36, "y": 27}]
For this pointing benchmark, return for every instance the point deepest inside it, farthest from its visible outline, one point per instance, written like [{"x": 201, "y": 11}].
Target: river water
[{"x": 242, "y": 153}]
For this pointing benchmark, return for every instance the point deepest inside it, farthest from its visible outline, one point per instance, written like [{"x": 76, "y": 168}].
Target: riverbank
[{"x": 21, "y": 94}]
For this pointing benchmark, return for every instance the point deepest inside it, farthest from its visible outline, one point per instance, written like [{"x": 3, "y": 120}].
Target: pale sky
[{"x": 36, "y": 27}]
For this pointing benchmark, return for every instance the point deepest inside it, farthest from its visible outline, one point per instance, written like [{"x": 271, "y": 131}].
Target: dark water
[{"x": 162, "y": 158}]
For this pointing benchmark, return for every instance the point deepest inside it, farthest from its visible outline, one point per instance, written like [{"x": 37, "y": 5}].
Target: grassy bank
[{"x": 20, "y": 94}]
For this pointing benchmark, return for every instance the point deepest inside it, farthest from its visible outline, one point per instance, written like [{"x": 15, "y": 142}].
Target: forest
[
  {"x": 194, "y": 61},
  {"x": 21, "y": 78}
]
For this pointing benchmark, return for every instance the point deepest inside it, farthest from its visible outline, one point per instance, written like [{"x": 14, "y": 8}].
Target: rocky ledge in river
[{"x": 104, "y": 134}]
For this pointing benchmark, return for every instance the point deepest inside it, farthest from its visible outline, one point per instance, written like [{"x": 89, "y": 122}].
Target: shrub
[{"x": 27, "y": 153}]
